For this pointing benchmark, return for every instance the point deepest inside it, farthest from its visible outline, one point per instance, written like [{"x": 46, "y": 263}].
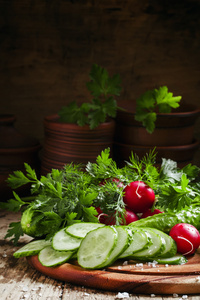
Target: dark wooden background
[{"x": 47, "y": 48}]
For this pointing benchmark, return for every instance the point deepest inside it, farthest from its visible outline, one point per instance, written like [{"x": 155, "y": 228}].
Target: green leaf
[
  {"x": 17, "y": 179},
  {"x": 114, "y": 85},
  {"x": 13, "y": 204},
  {"x": 89, "y": 214},
  {"x": 16, "y": 231},
  {"x": 31, "y": 174},
  {"x": 109, "y": 107},
  {"x": 151, "y": 101},
  {"x": 149, "y": 121},
  {"x": 96, "y": 117},
  {"x": 192, "y": 171},
  {"x": 99, "y": 77},
  {"x": 184, "y": 182}
]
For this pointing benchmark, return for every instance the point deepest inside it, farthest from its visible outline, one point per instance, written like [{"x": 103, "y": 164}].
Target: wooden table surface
[{"x": 19, "y": 281}]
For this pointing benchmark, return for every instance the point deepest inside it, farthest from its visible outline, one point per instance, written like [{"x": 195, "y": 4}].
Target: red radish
[
  {"x": 105, "y": 218},
  {"x": 149, "y": 213},
  {"x": 129, "y": 216},
  {"x": 187, "y": 238},
  {"x": 138, "y": 196}
]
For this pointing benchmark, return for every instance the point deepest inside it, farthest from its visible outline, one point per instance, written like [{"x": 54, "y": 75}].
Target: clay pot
[
  {"x": 183, "y": 154},
  {"x": 69, "y": 143},
  {"x": 15, "y": 150},
  {"x": 173, "y": 136}
]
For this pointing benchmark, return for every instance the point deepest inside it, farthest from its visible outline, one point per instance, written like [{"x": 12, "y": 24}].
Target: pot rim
[
  {"x": 184, "y": 110},
  {"x": 53, "y": 119},
  {"x": 194, "y": 144}
]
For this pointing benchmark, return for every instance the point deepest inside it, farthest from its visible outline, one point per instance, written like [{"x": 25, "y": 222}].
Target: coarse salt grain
[
  {"x": 184, "y": 296},
  {"x": 175, "y": 295},
  {"x": 153, "y": 295},
  {"x": 197, "y": 279},
  {"x": 139, "y": 265},
  {"x": 26, "y": 295},
  {"x": 122, "y": 295}
]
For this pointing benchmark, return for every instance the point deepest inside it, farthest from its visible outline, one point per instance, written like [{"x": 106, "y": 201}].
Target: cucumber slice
[
  {"x": 79, "y": 230},
  {"x": 170, "y": 245},
  {"x": 96, "y": 247},
  {"x": 174, "y": 260},
  {"x": 64, "y": 242},
  {"x": 154, "y": 249},
  {"x": 139, "y": 241},
  {"x": 123, "y": 239},
  {"x": 31, "y": 248},
  {"x": 49, "y": 257}
]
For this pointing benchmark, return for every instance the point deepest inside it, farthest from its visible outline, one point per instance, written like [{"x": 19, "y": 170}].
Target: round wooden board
[{"x": 131, "y": 277}]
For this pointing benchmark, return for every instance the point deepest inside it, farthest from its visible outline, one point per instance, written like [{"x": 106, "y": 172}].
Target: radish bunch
[{"x": 138, "y": 198}]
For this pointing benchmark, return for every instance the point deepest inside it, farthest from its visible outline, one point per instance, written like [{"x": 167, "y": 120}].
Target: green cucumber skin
[{"x": 165, "y": 221}]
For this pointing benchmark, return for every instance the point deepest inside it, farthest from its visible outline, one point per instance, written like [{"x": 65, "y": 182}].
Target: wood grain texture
[
  {"x": 47, "y": 50},
  {"x": 131, "y": 278}
]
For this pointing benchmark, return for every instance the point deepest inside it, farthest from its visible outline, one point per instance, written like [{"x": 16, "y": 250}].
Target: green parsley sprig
[
  {"x": 152, "y": 101},
  {"x": 103, "y": 88}
]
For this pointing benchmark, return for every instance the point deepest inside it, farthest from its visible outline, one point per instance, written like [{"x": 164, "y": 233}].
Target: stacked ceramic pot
[
  {"x": 15, "y": 150},
  {"x": 67, "y": 143},
  {"x": 172, "y": 138}
]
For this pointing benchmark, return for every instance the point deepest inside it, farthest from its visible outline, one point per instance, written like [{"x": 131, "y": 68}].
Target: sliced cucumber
[
  {"x": 64, "y": 242},
  {"x": 96, "y": 247},
  {"x": 170, "y": 245},
  {"x": 139, "y": 241},
  {"x": 31, "y": 248},
  {"x": 123, "y": 238},
  {"x": 79, "y": 230},
  {"x": 174, "y": 260},
  {"x": 49, "y": 257},
  {"x": 154, "y": 249}
]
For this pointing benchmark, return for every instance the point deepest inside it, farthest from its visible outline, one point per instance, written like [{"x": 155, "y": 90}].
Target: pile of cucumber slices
[{"x": 96, "y": 246}]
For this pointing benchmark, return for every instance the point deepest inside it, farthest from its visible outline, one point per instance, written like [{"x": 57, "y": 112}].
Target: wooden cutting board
[{"x": 131, "y": 277}]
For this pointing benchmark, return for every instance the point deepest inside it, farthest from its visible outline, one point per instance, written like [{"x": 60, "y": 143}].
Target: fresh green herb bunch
[
  {"x": 153, "y": 101},
  {"x": 71, "y": 195},
  {"x": 103, "y": 88}
]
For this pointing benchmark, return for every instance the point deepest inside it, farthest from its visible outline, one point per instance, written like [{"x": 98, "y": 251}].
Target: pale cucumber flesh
[
  {"x": 49, "y": 257},
  {"x": 96, "y": 247},
  {"x": 139, "y": 241},
  {"x": 170, "y": 245},
  {"x": 153, "y": 250},
  {"x": 174, "y": 260},
  {"x": 65, "y": 242},
  {"x": 31, "y": 248},
  {"x": 79, "y": 230},
  {"x": 121, "y": 244}
]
